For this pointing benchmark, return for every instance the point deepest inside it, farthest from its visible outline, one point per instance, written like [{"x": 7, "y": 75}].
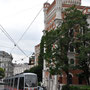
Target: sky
[{"x": 15, "y": 18}]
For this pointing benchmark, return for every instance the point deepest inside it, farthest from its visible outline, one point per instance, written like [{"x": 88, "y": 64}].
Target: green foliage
[
  {"x": 66, "y": 87},
  {"x": 41, "y": 55},
  {"x": 26, "y": 71},
  {"x": 85, "y": 87},
  {"x": 57, "y": 42},
  {"x": 84, "y": 61},
  {"x": 2, "y": 73},
  {"x": 78, "y": 21},
  {"x": 82, "y": 46},
  {"x": 38, "y": 69},
  {"x": 41, "y": 59},
  {"x": 51, "y": 53}
]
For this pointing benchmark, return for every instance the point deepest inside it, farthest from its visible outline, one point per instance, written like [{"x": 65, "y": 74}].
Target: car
[
  {"x": 1, "y": 80},
  {"x": 40, "y": 88}
]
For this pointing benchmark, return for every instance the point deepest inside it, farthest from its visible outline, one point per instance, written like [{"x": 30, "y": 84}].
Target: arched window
[
  {"x": 72, "y": 61},
  {"x": 70, "y": 79}
]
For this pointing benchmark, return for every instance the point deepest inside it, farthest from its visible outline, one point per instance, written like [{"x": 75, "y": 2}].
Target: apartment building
[
  {"x": 20, "y": 68},
  {"x": 6, "y": 63}
]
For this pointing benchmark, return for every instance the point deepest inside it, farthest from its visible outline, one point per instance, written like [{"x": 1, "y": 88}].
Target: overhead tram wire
[
  {"x": 15, "y": 44},
  {"x": 29, "y": 26},
  {"x": 31, "y": 23},
  {"x": 9, "y": 37},
  {"x": 5, "y": 46}
]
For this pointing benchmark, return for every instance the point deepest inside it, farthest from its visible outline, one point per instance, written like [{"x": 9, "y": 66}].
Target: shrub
[
  {"x": 65, "y": 87},
  {"x": 83, "y": 87},
  {"x": 74, "y": 88}
]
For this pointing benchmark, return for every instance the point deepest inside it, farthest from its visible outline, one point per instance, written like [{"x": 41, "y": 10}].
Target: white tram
[{"x": 24, "y": 81}]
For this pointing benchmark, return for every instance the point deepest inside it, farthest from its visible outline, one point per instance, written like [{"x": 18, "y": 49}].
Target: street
[{"x": 1, "y": 87}]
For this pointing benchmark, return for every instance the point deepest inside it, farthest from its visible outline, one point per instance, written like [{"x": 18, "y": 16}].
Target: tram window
[
  {"x": 8, "y": 81},
  {"x": 11, "y": 82},
  {"x": 30, "y": 81},
  {"x": 16, "y": 82},
  {"x": 21, "y": 83}
]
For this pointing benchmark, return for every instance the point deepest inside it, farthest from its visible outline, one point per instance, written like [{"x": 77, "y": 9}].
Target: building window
[
  {"x": 71, "y": 48},
  {"x": 71, "y": 61},
  {"x": 71, "y": 33},
  {"x": 2, "y": 64},
  {"x": 70, "y": 79}
]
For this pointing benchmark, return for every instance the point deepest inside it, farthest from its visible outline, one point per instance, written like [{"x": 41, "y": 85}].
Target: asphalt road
[{"x": 1, "y": 87}]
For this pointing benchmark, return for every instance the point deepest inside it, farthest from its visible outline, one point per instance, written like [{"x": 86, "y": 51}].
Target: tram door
[{"x": 16, "y": 84}]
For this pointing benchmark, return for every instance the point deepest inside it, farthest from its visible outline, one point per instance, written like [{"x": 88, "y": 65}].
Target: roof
[
  {"x": 5, "y": 54},
  {"x": 22, "y": 75}
]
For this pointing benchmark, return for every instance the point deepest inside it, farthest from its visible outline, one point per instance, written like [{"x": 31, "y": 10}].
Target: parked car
[
  {"x": 40, "y": 88},
  {"x": 1, "y": 80}
]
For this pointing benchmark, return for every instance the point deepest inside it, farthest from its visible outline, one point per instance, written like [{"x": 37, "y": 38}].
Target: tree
[
  {"x": 83, "y": 50},
  {"x": 58, "y": 41},
  {"x": 41, "y": 55},
  {"x": 76, "y": 23},
  {"x": 52, "y": 54},
  {"x": 38, "y": 69},
  {"x": 2, "y": 73}
]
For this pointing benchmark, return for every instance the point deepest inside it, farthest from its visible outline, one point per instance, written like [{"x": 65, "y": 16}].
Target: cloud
[
  {"x": 15, "y": 17},
  {"x": 86, "y": 2}
]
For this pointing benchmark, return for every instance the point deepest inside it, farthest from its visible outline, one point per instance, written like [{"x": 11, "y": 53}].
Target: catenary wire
[
  {"x": 27, "y": 29},
  {"x": 29, "y": 26},
  {"x": 9, "y": 37},
  {"x": 15, "y": 44}
]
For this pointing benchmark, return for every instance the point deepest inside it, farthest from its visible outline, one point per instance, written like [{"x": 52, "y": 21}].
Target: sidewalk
[{"x": 1, "y": 87}]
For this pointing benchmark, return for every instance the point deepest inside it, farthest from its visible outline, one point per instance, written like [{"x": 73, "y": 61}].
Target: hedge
[{"x": 66, "y": 87}]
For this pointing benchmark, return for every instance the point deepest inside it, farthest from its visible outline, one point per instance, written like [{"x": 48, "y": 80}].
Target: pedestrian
[{"x": 58, "y": 86}]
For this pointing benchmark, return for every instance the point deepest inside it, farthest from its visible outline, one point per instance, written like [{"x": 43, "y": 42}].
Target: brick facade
[{"x": 51, "y": 12}]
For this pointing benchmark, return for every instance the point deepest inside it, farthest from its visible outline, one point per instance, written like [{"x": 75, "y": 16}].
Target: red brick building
[{"x": 53, "y": 17}]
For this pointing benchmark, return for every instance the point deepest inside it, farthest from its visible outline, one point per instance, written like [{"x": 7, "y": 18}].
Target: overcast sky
[{"x": 15, "y": 17}]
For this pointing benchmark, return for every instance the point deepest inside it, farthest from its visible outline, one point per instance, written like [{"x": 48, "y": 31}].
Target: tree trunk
[{"x": 88, "y": 82}]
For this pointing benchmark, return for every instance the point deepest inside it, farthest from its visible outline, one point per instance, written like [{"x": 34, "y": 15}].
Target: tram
[{"x": 24, "y": 81}]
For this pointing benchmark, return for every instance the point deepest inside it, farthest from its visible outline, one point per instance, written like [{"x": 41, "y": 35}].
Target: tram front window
[{"x": 30, "y": 81}]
